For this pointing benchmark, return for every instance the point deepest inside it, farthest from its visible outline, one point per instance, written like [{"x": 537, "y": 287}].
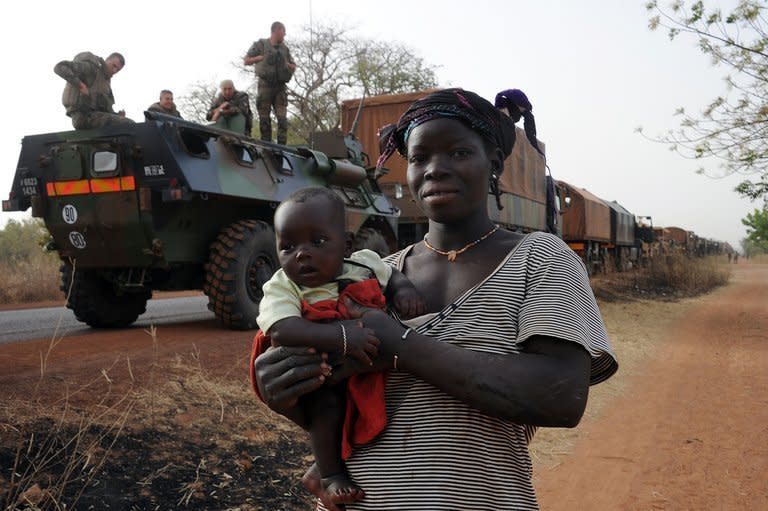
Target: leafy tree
[
  {"x": 750, "y": 249},
  {"x": 22, "y": 241},
  {"x": 733, "y": 127},
  {"x": 757, "y": 227}
]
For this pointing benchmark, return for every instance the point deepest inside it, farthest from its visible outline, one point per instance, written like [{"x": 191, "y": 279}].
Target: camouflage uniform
[
  {"x": 239, "y": 118},
  {"x": 95, "y": 109},
  {"x": 273, "y": 73},
  {"x": 157, "y": 107}
]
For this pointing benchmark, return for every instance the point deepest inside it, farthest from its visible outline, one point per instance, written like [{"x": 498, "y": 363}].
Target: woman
[{"x": 512, "y": 341}]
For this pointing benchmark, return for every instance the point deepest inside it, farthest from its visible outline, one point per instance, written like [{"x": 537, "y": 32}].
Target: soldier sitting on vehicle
[
  {"x": 231, "y": 110},
  {"x": 88, "y": 94},
  {"x": 165, "y": 105}
]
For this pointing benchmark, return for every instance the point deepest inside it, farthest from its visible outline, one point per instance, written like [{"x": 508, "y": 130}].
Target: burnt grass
[{"x": 151, "y": 470}]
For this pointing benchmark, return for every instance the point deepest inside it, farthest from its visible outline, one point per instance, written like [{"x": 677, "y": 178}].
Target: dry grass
[
  {"x": 669, "y": 278},
  {"x": 689, "y": 276},
  {"x": 33, "y": 280},
  {"x": 165, "y": 435}
]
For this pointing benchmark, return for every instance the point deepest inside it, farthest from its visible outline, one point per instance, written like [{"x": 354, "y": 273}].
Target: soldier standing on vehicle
[
  {"x": 231, "y": 110},
  {"x": 88, "y": 94},
  {"x": 165, "y": 105},
  {"x": 274, "y": 68}
]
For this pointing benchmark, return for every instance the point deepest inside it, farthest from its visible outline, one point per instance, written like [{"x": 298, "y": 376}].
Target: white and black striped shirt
[{"x": 437, "y": 453}]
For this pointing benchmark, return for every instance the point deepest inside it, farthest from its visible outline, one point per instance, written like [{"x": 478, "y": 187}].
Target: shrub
[
  {"x": 678, "y": 274},
  {"x": 27, "y": 274}
]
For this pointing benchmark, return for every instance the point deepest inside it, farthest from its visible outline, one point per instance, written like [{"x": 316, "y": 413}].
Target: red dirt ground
[{"x": 691, "y": 430}]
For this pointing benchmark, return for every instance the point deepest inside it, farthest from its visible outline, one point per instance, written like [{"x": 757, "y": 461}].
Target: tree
[
  {"x": 757, "y": 228},
  {"x": 333, "y": 65},
  {"x": 732, "y": 128},
  {"x": 22, "y": 241},
  {"x": 195, "y": 103}
]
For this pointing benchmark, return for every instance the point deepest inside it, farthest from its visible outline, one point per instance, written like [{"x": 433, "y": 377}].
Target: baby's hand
[
  {"x": 409, "y": 303},
  {"x": 362, "y": 343}
]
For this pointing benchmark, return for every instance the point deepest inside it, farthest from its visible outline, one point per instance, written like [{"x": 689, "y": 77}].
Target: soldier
[
  {"x": 165, "y": 105},
  {"x": 231, "y": 110},
  {"x": 88, "y": 94},
  {"x": 274, "y": 67}
]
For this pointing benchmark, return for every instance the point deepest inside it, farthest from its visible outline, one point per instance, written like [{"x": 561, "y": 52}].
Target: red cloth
[{"x": 366, "y": 415}]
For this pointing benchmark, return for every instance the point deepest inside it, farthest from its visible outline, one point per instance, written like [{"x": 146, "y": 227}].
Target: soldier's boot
[{"x": 282, "y": 130}]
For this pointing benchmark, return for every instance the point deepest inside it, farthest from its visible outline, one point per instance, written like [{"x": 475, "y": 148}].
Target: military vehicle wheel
[
  {"x": 241, "y": 260},
  {"x": 95, "y": 303},
  {"x": 371, "y": 239}
]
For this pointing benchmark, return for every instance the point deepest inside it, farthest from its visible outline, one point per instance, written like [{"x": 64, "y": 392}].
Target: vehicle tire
[
  {"x": 94, "y": 301},
  {"x": 371, "y": 239},
  {"x": 241, "y": 260}
]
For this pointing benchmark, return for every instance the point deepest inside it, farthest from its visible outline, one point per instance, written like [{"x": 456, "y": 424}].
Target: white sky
[{"x": 592, "y": 69}]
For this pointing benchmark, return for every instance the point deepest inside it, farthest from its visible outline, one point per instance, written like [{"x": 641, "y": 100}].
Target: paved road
[{"x": 27, "y": 324}]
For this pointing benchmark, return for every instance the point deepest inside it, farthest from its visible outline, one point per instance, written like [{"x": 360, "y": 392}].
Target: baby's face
[{"x": 310, "y": 242}]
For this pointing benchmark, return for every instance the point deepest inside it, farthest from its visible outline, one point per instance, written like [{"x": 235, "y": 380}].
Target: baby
[{"x": 303, "y": 306}]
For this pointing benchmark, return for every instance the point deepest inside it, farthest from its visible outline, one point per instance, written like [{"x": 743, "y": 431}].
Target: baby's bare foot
[
  {"x": 311, "y": 481},
  {"x": 341, "y": 490}
]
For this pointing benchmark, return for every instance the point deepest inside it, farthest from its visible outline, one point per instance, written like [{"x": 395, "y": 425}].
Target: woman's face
[{"x": 448, "y": 169}]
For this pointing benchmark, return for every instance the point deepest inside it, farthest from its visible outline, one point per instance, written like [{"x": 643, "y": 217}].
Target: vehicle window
[
  {"x": 287, "y": 166},
  {"x": 242, "y": 155},
  {"x": 104, "y": 162},
  {"x": 195, "y": 143}
]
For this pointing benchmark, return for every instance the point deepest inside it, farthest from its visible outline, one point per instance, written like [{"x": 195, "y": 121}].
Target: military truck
[
  {"x": 523, "y": 183},
  {"x": 168, "y": 204}
]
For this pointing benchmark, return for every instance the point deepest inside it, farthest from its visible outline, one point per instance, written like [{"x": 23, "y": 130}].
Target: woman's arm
[
  {"x": 545, "y": 385},
  {"x": 285, "y": 374}
]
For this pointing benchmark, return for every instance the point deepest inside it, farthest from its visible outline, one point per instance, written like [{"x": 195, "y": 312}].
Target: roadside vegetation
[
  {"x": 27, "y": 273},
  {"x": 665, "y": 278}
]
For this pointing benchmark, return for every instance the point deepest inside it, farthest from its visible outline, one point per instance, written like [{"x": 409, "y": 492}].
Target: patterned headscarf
[{"x": 465, "y": 106}]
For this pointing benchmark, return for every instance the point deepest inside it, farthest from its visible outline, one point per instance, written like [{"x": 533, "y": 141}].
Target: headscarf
[
  {"x": 475, "y": 112},
  {"x": 513, "y": 100}
]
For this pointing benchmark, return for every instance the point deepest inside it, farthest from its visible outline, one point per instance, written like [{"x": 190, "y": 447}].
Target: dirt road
[{"x": 691, "y": 430}]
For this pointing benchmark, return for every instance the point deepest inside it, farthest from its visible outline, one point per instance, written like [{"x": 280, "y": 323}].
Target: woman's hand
[
  {"x": 349, "y": 366},
  {"x": 387, "y": 330},
  {"x": 285, "y": 374}
]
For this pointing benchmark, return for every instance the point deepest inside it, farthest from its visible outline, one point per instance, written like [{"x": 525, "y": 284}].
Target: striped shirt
[{"x": 440, "y": 454}]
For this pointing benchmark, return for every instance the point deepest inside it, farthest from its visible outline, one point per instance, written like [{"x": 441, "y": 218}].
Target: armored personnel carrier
[{"x": 168, "y": 204}]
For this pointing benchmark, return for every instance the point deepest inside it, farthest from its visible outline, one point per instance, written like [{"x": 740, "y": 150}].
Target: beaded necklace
[{"x": 452, "y": 254}]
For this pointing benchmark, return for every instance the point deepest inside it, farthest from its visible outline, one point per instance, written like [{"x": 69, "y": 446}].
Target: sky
[{"x": 592, "y": 69}]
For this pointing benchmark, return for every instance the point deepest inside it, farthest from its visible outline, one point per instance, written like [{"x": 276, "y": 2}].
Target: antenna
[
  {"x": 357, "y": 115},
  {"x": 311, "y": 63}
]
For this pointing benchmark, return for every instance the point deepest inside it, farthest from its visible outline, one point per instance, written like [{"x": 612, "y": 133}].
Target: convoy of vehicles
[{"x": 168, "y": 204}]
